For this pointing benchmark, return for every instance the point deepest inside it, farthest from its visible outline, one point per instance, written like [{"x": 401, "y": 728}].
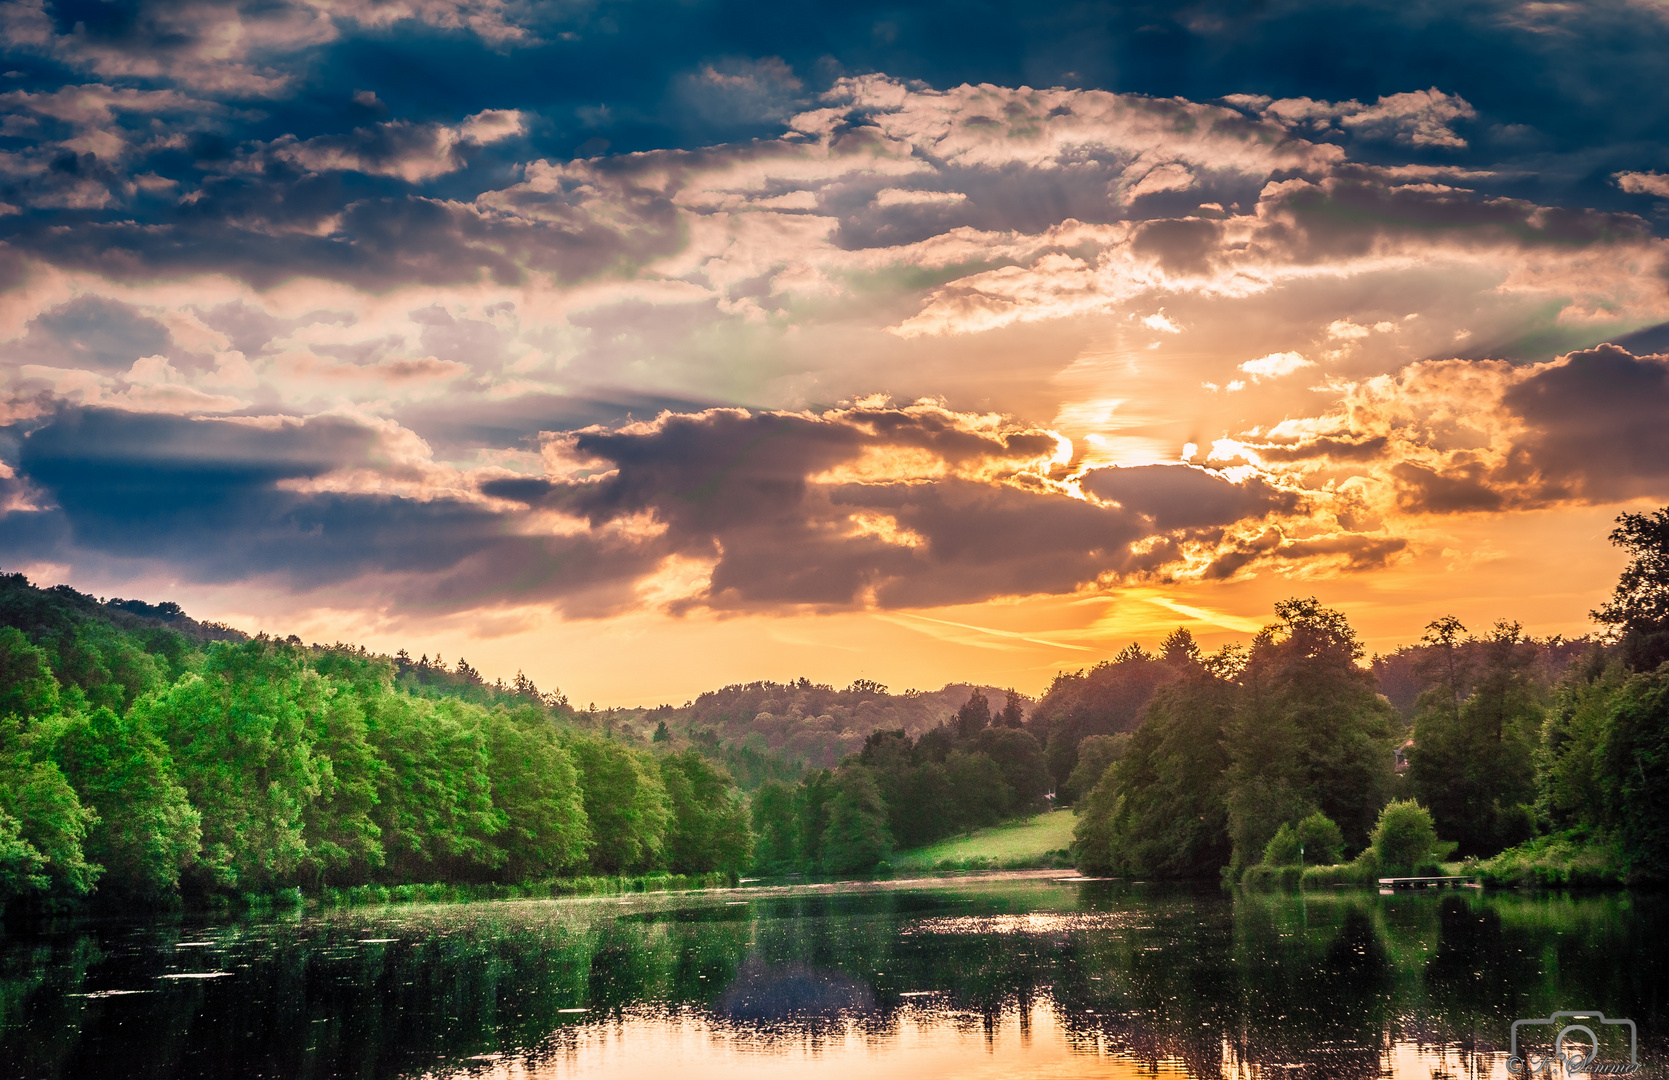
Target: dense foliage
[
  {"x": 1284, "y": 754},
  {"x": 144, "y": 757},
  {"x": 899, "y": 792}
]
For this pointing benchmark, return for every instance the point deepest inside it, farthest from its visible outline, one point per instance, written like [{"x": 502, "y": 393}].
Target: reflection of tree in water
[{"x": 1320, "y": 985}]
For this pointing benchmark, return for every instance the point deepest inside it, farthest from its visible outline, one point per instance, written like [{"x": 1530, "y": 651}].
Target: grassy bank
[
  {"x": 1575, "y": 858},
  {"x": 1039, "y": 841}
]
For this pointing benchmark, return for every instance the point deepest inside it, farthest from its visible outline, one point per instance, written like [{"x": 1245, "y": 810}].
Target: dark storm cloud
[
  {"x": 1599, "y": 426},
  {"x": 747, "y": 489},
  {"x": 207, "y": 499},
  {"x": 771, "y": 499}
]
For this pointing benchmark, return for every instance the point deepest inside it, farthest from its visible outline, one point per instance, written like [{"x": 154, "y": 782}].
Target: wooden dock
[{"x": 1427, "y": 883}]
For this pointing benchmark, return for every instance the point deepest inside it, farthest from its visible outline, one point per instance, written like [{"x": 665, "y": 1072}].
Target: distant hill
[{"x": 802, "y": 722}]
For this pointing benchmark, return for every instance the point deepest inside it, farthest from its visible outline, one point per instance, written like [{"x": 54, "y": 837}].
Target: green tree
[
  {"x": 22, "y": 867},
  {"x": 855, "y": 839},
  {"x": 1636, "y": 772},
  {"x": 1570, "y": 760},
  {"x": 1020, "y": 761},
  {"x": 1472, "y": 761},
  {"x": 775, "y": 828},
  {"x": 147, "y": 831},
  {"x": 973, "y": 717},
  {"x": 27, "y": 686},
  {"x": 1319, "y": 840},
  {"x": 1311, "y": 731},
  {"x": 536, "y": 787},
  {"x": 709, "y": 828},
  {"x": 626, "y": 805},
  {"x": 434, "y": 806},
  {"x": 979, "y": 795},
  {"x": 1404, "y": 839},
  {"x": 239, "y": 740},
  {"x": 1095, "y": 754},
  {"x": 1638, "y": 611},
  {"x": 51, "y": 821},
  {"x": 1283, "y": 848},
  {"x": 1160, "y": 810}
]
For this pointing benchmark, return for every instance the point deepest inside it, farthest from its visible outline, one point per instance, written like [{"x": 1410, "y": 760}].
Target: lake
[{"x": 1006, "y": 975}]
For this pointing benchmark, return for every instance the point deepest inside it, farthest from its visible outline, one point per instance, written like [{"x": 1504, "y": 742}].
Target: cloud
[
  {"x": 1421, "y": 119},
  {"x": 1457, "y": 436},
  {"x": 862, "y": 506},
  {"x": 1644, "y": 183},
  {"x": 244, "y": 48},
  {"x": 1275, "y": 365},
  {"x": 398, "y": 148},
  {"x": 738, "y": 92}
]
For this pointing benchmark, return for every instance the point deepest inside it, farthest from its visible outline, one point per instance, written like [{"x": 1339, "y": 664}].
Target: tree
[
  {"x": 1020, "y": 762},
  {"x": 772, "y": 810},
  {"x": 1160, "y": 810},
  {"x": 537, "y": 789},
  {"x": 1638, "y": 611},
  {"x": 1471, "y": 763},
  {"x": 855, "y": 839},
  {"x": 434, "y": 804},
  {"x": 52, "y": 824},
  {"x": 1319, "y": 840},
  {"x": 1310, "y": 731},
  {"x": 1283, "y": 848},
  {"x": 27, "y": 687},
  {"x": 1636, "y": 772},
  {"x": 1014, "y": 710},
  {"x": 1404, "y": 838},
  {"x": 709, "y": 827},
  {"x": 626, "y": 804},
  {"x": 147, "y": 831},
  {"x": 240, "y": 744},
  {"x": 973, "y": 717},
  {"x": 1095, "y": 754},
  {"x": 1106, "y": 700}
]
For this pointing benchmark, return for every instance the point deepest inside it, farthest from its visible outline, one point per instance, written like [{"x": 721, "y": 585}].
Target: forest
[{"x": 147, "y": 759}]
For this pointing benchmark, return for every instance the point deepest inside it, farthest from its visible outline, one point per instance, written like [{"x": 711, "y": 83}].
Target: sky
[{"x": 649, "y": 347}]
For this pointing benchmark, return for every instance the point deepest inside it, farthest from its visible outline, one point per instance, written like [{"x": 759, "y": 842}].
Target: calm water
[{"x": 1007, "y": 976}]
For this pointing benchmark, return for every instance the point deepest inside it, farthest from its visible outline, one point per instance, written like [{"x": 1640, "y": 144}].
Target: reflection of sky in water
[
  {"x": 922, "y": 1042},
  {"x": 1012, "y": 976}
]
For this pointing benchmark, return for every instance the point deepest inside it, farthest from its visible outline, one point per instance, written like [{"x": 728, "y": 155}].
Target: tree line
[
  {"x": 1242, "y": 756},
  {"x": 141, "y": 764}
]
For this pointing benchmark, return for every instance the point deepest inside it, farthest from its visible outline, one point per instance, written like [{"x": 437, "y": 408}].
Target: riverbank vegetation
[{"x": 146, "y": 758}]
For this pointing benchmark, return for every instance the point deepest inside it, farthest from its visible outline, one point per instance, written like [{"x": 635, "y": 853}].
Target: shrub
[
  {"x": 1321, "y": 841},
  {"x": 1282, "y": 849},
  {"x": 1405, "y": 840}
]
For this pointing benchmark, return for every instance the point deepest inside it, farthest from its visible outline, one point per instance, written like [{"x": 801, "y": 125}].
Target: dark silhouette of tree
[
  {"x": 973, "y": 717},
  {"x": 1638, "y": 611}
]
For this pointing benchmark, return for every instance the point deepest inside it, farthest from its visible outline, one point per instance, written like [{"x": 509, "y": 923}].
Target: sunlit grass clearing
[{"x": 1033, "y": 838}]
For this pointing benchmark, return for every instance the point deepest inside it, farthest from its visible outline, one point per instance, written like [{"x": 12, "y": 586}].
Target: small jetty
[{"x": 1427, "y": 883}]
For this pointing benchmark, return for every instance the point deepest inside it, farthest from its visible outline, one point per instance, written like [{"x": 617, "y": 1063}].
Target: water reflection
[{"x": 1012, "y": 976}]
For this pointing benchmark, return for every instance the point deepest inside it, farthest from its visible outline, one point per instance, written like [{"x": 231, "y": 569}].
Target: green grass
[{"x": 1038, "y": 841}]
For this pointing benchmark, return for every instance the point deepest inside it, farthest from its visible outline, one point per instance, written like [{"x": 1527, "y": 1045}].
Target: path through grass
[{"x": 1038, "y": 841}]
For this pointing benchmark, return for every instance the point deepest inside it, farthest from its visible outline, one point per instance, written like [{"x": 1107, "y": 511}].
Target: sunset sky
[{"x": 647, "y": 347}]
